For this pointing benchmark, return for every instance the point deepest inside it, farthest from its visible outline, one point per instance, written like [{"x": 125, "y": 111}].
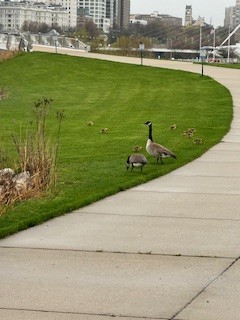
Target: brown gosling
[
  {"x": 136, "y": 160},
  {"x": 104, "y": 130},
  {"x": 173, "y": 127},
  {"x": 198, "y": 141},
  {"x": 157, "y": 150},
  {"x": 193, "y": 130},
  {"x": 187, "y": 134},
  {"x": 90, "y": 123},
  {"x": 137, "y": 148}
]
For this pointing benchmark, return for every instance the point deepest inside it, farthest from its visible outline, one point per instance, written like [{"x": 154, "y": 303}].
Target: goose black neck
[{"x": 150, "y": 132}]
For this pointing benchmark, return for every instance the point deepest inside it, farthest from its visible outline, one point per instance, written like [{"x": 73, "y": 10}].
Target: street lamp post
[
  {"x": 229, "y": 43},
  {"x": 203, "y": 55},
  {"x": 141, "y": 48},
  {"x": 55, "y": 42}
]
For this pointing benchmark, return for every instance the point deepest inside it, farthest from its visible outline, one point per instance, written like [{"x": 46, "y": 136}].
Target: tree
[
  {"x": 35, "y": 27},
  {"x": 91, "y": 29}
]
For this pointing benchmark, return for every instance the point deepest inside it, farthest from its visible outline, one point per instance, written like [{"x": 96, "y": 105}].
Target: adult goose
[
  {"x": 136, "y": 160},
  {"x": 155, "y": 149}
]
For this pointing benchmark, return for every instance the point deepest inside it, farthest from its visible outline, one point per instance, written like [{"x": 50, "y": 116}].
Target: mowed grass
[{"x": 120, "y": 97}]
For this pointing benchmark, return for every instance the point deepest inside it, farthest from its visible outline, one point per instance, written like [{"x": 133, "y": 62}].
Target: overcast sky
[{"x": 211, "y": 10}]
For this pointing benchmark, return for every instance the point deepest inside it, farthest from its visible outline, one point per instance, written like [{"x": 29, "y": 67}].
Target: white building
[
  {"x": 71, "y": 7},
  {"x": 97, "y": 9},
  {"x": 13, "y": 14},
  {"x": 65, "y": 13},
  {"x": 134, "y": 20}
]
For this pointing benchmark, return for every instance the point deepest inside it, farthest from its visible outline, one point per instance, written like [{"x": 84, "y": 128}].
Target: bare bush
[
  {"x": 6, "y": 55},
  {"x": 36, "y": 158}
]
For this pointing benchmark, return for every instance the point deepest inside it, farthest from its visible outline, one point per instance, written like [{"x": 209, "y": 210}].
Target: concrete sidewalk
[{"x": 167, "y": 249}]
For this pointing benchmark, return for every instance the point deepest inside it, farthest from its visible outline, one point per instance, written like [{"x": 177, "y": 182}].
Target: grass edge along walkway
[{"x": 120, "y": 97}]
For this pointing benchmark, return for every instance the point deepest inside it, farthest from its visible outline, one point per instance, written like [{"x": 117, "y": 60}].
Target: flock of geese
[{"x": 154, "y": 149}]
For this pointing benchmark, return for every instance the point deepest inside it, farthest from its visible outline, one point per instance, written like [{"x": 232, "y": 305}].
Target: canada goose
[
  {"x": 136, "y": 160},
  {"x": 137, "y": 148},
  {"x": 157, "y": 150}
]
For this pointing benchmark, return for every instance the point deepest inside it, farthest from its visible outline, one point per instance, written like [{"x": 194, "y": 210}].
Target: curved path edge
[{"x": 168, "y": 249}]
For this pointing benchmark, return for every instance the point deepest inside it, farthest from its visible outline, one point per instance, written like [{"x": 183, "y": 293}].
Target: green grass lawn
[{"x": 120, "y": 97}]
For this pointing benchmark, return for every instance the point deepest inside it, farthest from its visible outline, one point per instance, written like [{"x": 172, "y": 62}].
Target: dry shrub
[
  {"x": 36, "y": 153},
  {"x": 36, "y": 156},
  {"x": 6, "y": 55}
]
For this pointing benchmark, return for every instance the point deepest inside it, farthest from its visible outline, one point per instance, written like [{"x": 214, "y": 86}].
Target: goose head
[{"x": 148, "y": 123}]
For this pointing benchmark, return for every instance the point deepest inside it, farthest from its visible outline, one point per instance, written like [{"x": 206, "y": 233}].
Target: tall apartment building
[
  {"x": 122, "y": 17},
  {"x": 97, "y": 10},
  {"x": 232, "y": 16},
  {"x": 110, "y": 11},
  {"x": 106, "y": 13},
  {"x": 70, "y": 6}
]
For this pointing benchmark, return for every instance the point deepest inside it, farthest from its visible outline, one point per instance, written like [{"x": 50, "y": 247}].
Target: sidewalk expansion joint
[
  {"x": 149, "y": 253},
  {"x": 110, "y": 315},
  {"x": 204, "y": 289}
]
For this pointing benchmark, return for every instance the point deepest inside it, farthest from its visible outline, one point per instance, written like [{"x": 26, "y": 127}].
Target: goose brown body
[
  {"x": 136, "y": 160},
  {"x": 155, "y": 149}
]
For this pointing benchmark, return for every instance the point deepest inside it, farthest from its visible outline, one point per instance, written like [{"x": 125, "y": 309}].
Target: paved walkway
[{"x": 168, "y": 249}]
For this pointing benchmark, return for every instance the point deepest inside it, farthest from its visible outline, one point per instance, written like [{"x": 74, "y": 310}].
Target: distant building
[
  {"x": 96, "y": 10},
  {"x": 110, "y": 11},
  {"x": 199, "y": 22},
  {"x": 189, "y": 19},
  {"x": 155, "y": 16},
  {"x": 122, "y": 13},
  {"x": 70, "y": 6},
  {"x": 134, "y": 20},
  {"x": 188, "y": 15},
  {"x": 105, "y": 13},
  {"x": 232, "y": 19},
  {"x": 14, "y": 14},
  {"x": 232, "y": 16}
]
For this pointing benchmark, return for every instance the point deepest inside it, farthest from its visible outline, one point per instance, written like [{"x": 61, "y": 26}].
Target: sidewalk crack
[{"x": 203, "y": 290}]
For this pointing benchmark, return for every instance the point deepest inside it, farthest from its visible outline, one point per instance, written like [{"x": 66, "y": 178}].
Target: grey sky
[{"x": 211, "y": 10}]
